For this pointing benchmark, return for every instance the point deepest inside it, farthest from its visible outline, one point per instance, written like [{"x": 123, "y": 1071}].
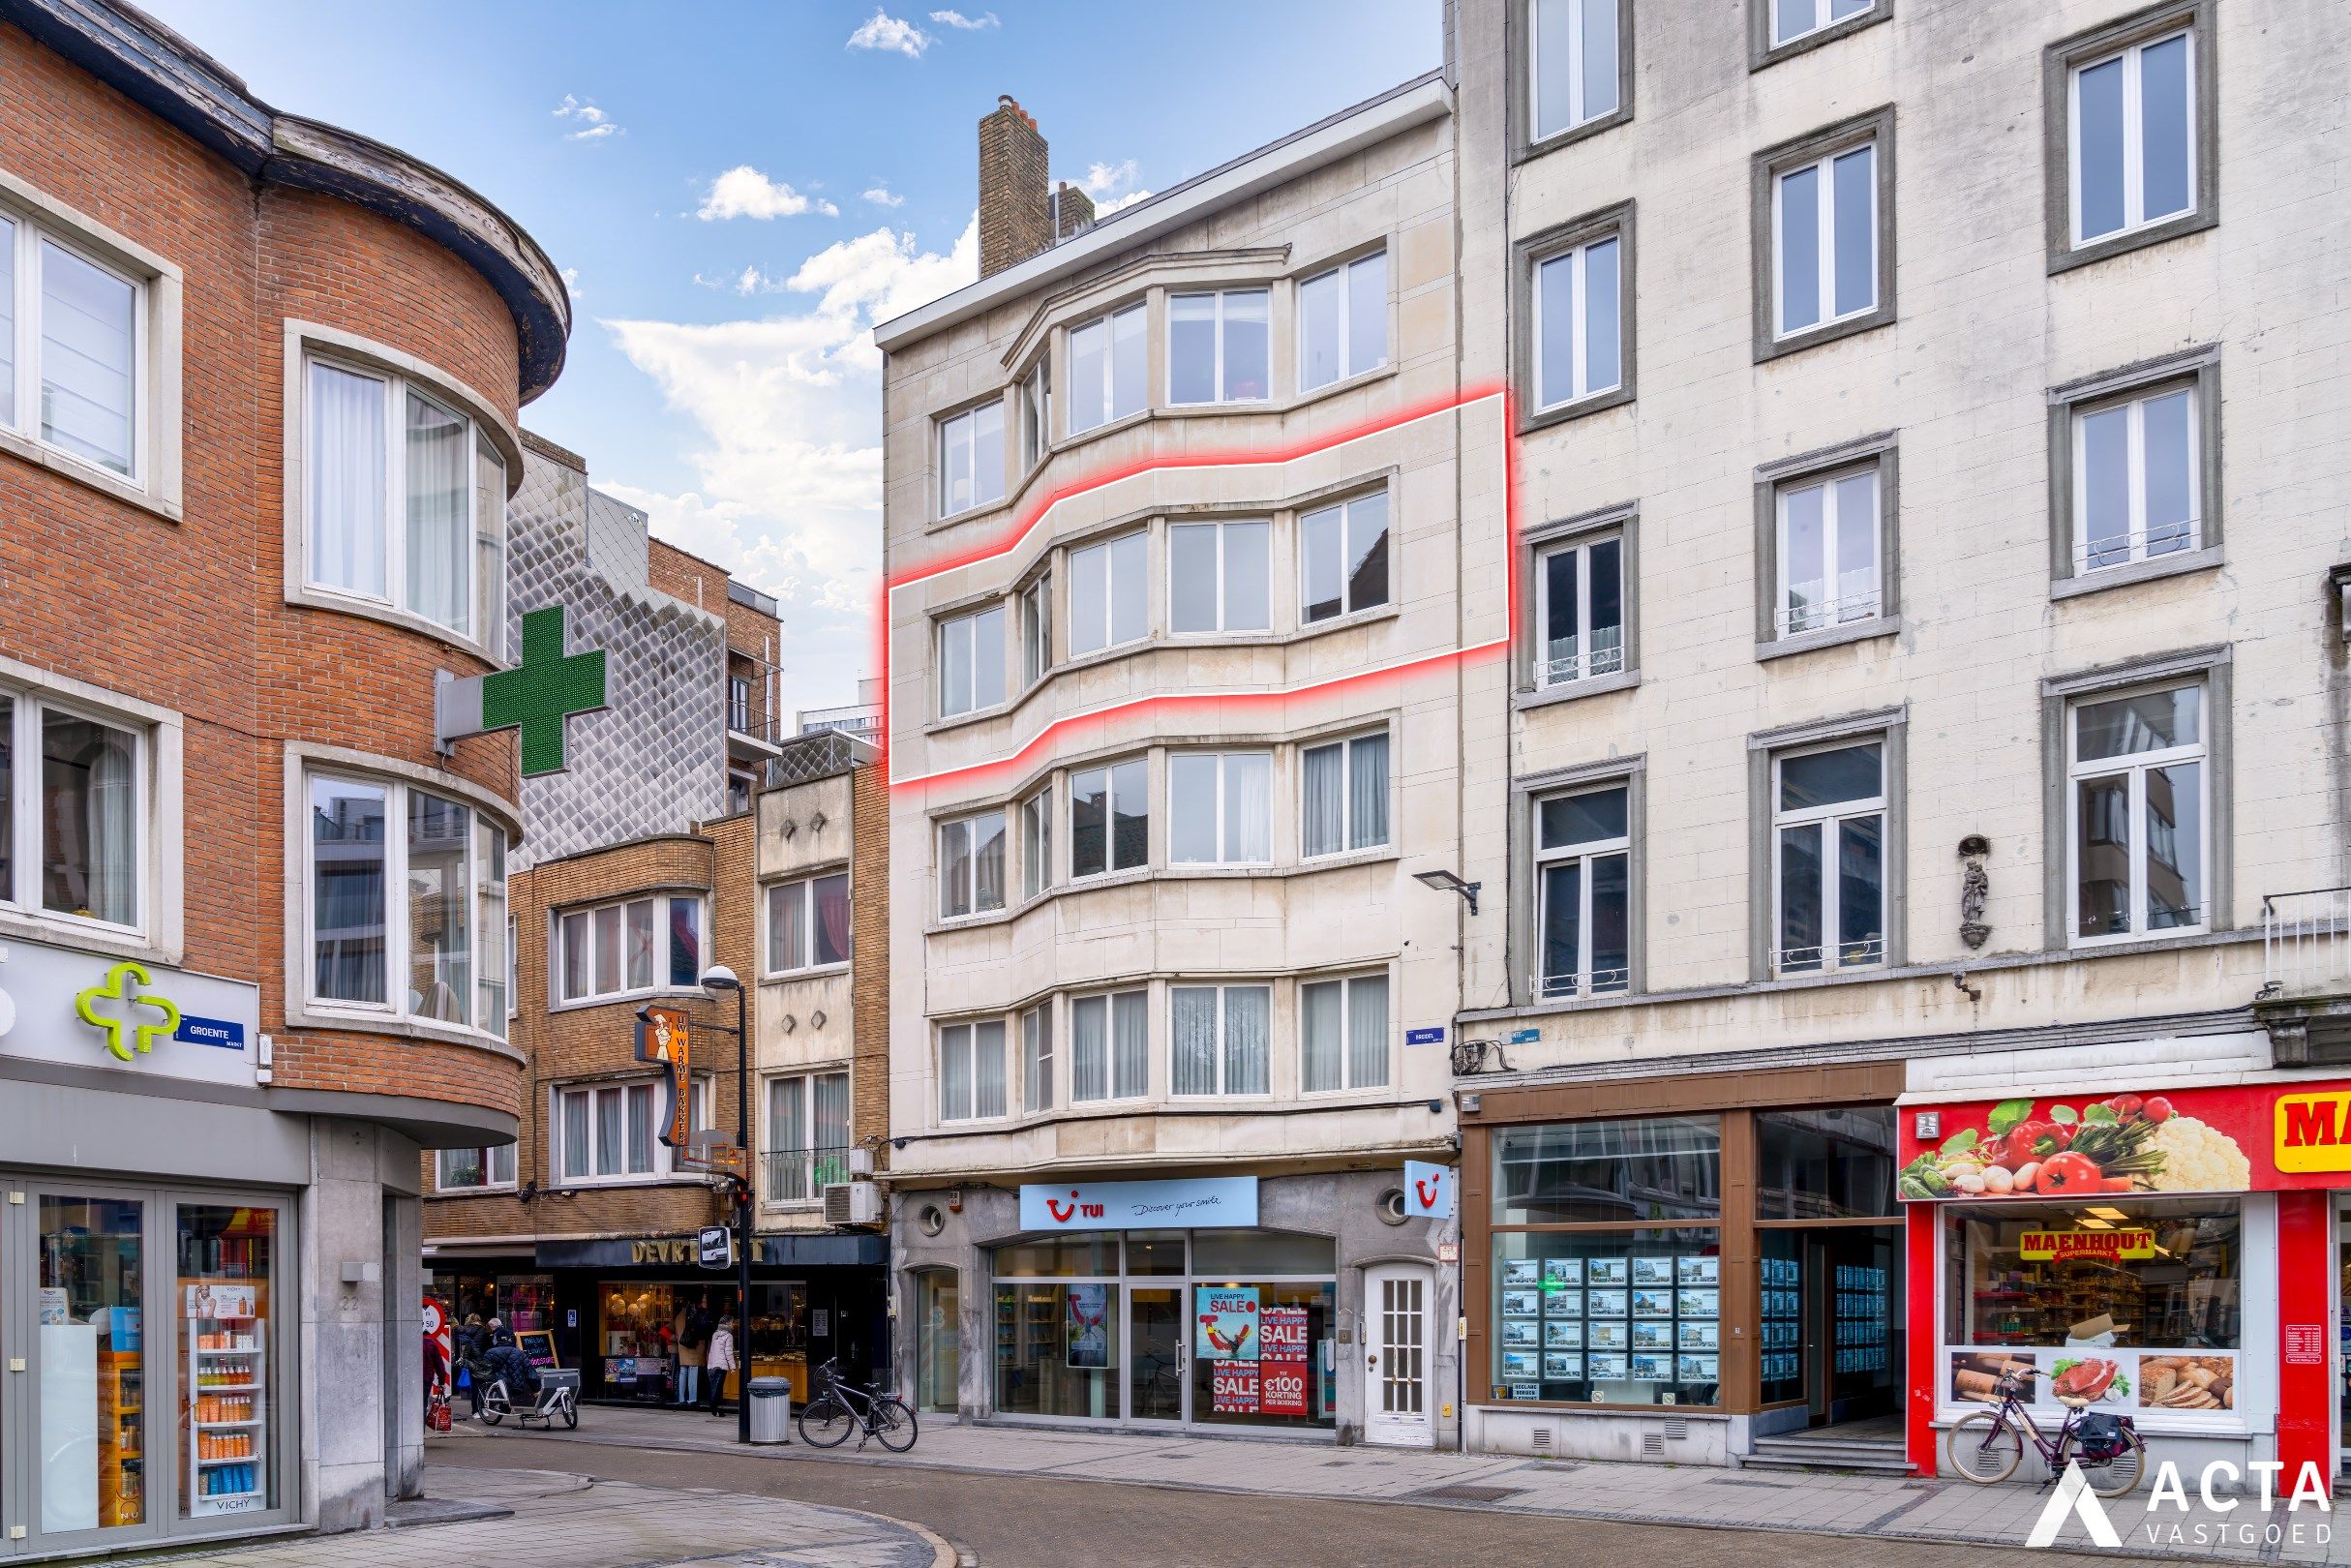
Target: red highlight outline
[{"x": 1019, "y": 532}]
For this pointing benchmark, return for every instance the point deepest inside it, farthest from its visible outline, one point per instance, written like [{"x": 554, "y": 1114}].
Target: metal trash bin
[{"x": 771, "y": 1410}]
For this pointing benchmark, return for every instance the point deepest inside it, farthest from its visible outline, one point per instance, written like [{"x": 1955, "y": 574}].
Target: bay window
[
  {"x": 971, "y": 458},
  {"x": 1037, "y": 414},
  {"x": 1829, "y": 847},
  {"x": 406, "y": 500},
  {"x": 971, "y": 866},
  {"x": 629, "y": 947},
  {"x": 1109, "y": 818},
  {"x": 1580, "y": 609},
  {"x": 2138, "y": 813},
  {"x": 1109, "y": 596},
  {"x": 807, "y": 1136},
  {"x": 73, "y": 813},
  {"x": 407, "y": 914},
  {"x": 1343, "y": 1034},
  {"x": 1345, "y": 556},
  {"x": 1036, "y": 843},
  {"x": 1109, "y": 1048},
  {"x": 1106, "y": 369},
  {"x": 1218, "y": 577},
  {"x": 1343, "y": 795},
  {"x": 971, "y": 661},
  {"x": 971, "y": 1070},
  {"x": 1219, "y": 808},
  {"x": 1220, "y": 1039},
  {"x": 808, "y": 923},
  {"x": 1036, "y": 630},
  {"x": 1218, "y": 346},
  {"x": 1342, "y": 320},
  {"x": 461, "y": 1169},
  {"x": 1584, "y": 893}
]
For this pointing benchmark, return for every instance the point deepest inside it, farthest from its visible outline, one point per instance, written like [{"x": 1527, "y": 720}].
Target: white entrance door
[{"x": 1396, "y": 1356}]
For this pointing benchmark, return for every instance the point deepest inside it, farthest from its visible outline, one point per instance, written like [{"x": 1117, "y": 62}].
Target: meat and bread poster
[{"x": 2096, "y": 1377}]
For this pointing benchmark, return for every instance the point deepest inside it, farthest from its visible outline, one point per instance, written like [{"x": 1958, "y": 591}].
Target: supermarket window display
[
  {"x": 228, "y": 1397},
  {"x": 1608, "y": 1317},
  {"x": 92, "y": 1371}
]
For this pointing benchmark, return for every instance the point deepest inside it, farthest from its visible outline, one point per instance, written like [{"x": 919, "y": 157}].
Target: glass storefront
[
  {"x": 639, "y": 1324},
  {"x": 93, "y": 1364},
  {"x": 524, "y": 1303},
  {"x": 937, "y": 1341},
  {"x": 1226, "y": 1328}
]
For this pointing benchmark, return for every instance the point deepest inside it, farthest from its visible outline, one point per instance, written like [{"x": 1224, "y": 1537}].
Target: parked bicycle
[
  {"x": 828, "y": 1420},
  {"x": 1988, "y": 1445}
]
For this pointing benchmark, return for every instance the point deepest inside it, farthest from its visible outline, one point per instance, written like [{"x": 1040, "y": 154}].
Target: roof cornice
[{"x": 164, "y": 74}]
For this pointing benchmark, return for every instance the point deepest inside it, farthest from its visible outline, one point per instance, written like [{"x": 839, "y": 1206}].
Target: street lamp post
[{"x": 719, "y": 978}]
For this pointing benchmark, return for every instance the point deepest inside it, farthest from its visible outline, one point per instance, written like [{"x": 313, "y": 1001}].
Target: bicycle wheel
[
  {"x": 826, "y": 1423},
  {"x": 494, "y": 1404},
  {"x": 894, "y": 1424},
  {"x": 2118, "y": 1476},
  {"x": 1984, "y": 1448}
]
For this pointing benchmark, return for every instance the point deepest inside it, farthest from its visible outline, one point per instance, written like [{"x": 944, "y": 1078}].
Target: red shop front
[{"x": 2171, "y": 1249}]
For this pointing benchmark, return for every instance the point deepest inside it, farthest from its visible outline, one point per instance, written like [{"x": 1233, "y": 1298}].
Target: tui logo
[{"x": 1427, "y": 1189}]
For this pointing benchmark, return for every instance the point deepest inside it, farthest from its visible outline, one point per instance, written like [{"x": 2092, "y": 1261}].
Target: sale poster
[
  {"x": 1229, "y": 1327},
  {"x": 1233, "y": 1388},
  {"x": 1282, "y": 1366}
]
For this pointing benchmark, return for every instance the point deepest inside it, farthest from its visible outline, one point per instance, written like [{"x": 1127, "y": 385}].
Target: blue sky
[{"x": 739, "y": 191}]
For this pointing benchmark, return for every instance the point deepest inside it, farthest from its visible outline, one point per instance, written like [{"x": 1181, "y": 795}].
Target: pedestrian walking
[
  {"x": 693, "y": 1333},
  {"x": 719, "y": 1361}
]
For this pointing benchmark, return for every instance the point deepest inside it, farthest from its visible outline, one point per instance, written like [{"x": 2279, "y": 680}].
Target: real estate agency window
[
  {"x": 73, "y": 347},
  {"x": 1343, "y": 795},
  {"x": 1343, "y": 1034},
  {"x": 971, "y": 1070},
  {"x": 1109, "y": 1046},
  {"x": 1110, "y": 596},
  {"x": 1220, "y": 1039},
  {"x": 629, "y": 947},
  {"x": 2135, "y": 118},
  {"x": 407, "y": 500},
  {"x": 1826, "y": 551},
  {"x": 407, "y": 904},
  {"x": 2138, "y": 810},
  {"x": 1580, "y": 605},
  {"x": 1107, "y": 375},
  {"x": 1219, "y": 577},
  {"x": 971, "y": 661},
  {"x": 1828, "y": 858},
  {"x": 1345, "y": 556},
  {"x": 475, "y": 1169},
  {"x": 73, "y": 812},
  {"x": 1584, "y": 893},
  {"x": 971, "y": 866},
  {"x": 1826, "y": 201},
  {"x": 808, "y": 923},
  {"x": 1109, "y": 818},
  {"x": 971, "y": 458},
  {"x": 1219, "y": 346},
  {"x": 1221, "y": 808},
  {"x": 1580, "y": 298},
  {"x": 1342, "y": 322},
  {"x": 807, "y": 1136},
  {"x": 1573, "y": 67},
  {"x": 1584, "y": 1309},
  {"x": 2138, "y": 476}
]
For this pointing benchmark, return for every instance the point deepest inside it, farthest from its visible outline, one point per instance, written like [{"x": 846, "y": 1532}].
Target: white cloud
[
  {"x": 1104, "y": 209},
  {"x": 788, "y": 473},
  {"x": 884, "y": 31},
  {"x": 963, "y": 24},
  {"x": 882, "y": 196},
  {"x": 571, "y": 281},
  {"x": 593, "y": 123},
  {"x": 750, "y": 281},
  {"x": 1110, "y": 179},
  {"x": 744, "y": 191}
]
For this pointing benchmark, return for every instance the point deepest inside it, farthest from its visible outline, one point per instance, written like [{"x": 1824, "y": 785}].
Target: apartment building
[
  {"x": 1175, "y": 676},
  {"x": 1926, "y": 685},
  {"x": 258, "y": 379}
]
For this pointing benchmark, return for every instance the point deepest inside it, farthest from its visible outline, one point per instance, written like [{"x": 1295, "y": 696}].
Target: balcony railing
[
  {"x": 801, "y": 1175},
  {"x": 1597, "y": 982},
  {"x": 2306, "y": 942}
]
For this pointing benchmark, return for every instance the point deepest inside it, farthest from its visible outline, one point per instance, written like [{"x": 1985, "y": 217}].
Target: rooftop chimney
[
  {"x": 1073, "y": 212},
  {"x": 1016, "y": 201}
]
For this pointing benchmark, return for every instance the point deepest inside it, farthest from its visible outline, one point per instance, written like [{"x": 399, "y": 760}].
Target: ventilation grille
[
  {"x": 1652, "y": 1445},
  {"x": 1542, "y": 1440},
  {"x": 1678, "y": 1430}
]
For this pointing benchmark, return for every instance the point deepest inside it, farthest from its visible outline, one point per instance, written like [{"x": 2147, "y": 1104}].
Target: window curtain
[
  {"x": 575, "y": 958},
  {"x": 575, "y": 1134},
  {"x": 987, "y": 859},
  {"x": 1192, "y": 1042},
  {"x": 786, "y": 940},
  {"x": 987, "y": 1070},
  {"x": 1318, "y": 1034},
  {"x": 956, "y": 1073},
  {"x": 348, "y": 891},
  {"x": 640, "y": 1115},
  {"x": 1248, "y": 1026},
  {"x": 829, "y": 1104},
  {"x": 1089, "y": 1049},
  {"x": 441, "y": 907},
  {"x": 1369, "y": 787},
  {"x": 1131, "y": 1031},
  {"x": 347, "y": 481},
  {"x": 686, "y": 941},
  {"x": 607, "y": 949},
  {"x": 89, "y": 782},
  {"x": 1323, "y": 794},
  {"x": 1249, "y": 807},
  {"x": 89, "y": 352},
  {"x": 833, "y": 916},
  {"x": 490, "y": 545},
  {"x": 609, "y": 1110},
  {"x": 1367, "y": 1033},
  {"x": 440, "y": 543},
  {"x": 640, "y": 945}
]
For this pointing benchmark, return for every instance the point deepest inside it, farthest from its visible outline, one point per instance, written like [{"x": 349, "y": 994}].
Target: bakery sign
[{"x": 2062, "y": 1245}]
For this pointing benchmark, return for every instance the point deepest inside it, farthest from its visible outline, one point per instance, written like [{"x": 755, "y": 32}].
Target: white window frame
[
  {"x": 1347, "y": 1082},
  {"x": 2137, "y": 765},
  {"x": 1825, "y": 221},
  {"x": 1221, "y": 1048},
  {"x": 1224, "y": 393},
  {"x": 1223, "y": 578},
  {"x": 1577, "y": 257},
  {"x": 1828, "y": 614},
  {"x": 1138, "y": 997},
  {"x": 1580, "y": 113},
  {"x": 1219, "y": 827},
  {"x": 661, "y": 1159},
  {"x": 1777, "y": 41},
  {"x": 25, "y": 798},
  {"x": 1585, "y": 982},
  {"x": 964, "y": 1035},
  {"x": 802, "y": 1138},
  {"x": 803, "y": 888},
  {"x": 970, "y": 822},
  {"x": 2134, "y": 146},
  {"x": 1346, "y": 553},
  {"x": 964, "y": 426},
  {"x": 1035, "y": 610},
  {"x": 1037, "y": 414},
  {"x": 1344, "y": 275},
  {"x": 2136, "y": 539},
  {"x": 396, "y": 936},
  {"x": 31, "y": 231},
  {"x": 493, "y": 1157},
  {"x": 1108, "y": 323},
  {"x": 965, "y": 630},
  {"x": 1589, "y": 661},
  {"x": 1828, "y": 820},
  {"x": 1037, "y": 842},
  {"x": 1036, "y": 1058},
  {"x": 1109, "y": 771},
  {"x": 1346, "y": 745},
  {"x": 1108, "y": 549},
  {"x": 559, "y": 947}
]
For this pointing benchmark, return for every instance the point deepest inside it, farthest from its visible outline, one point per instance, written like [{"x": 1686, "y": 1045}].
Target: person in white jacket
[{"x": 720, "y": 1361}]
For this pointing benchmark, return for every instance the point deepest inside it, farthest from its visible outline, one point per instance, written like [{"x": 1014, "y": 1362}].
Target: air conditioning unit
[
  {"x": 853, "y": 1203},
  {"x": 860, "y": 1161}
]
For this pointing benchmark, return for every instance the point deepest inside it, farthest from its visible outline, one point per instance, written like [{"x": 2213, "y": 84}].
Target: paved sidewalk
[
  {"x": 559, "y": 1520},
  {"x": 1855, "y": 1506}
]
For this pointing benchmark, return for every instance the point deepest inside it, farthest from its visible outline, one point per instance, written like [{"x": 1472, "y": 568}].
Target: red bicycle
[{"x": 1988, "y": 1445}]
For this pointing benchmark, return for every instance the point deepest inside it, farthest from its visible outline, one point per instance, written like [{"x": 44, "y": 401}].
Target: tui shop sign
[
  {"x": 1204, "y": 1201},
  {"x": 96, "y": 1010}
]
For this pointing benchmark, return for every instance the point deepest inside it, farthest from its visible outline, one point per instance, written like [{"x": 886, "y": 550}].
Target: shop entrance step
[{"x": 1868, "y": 1456}]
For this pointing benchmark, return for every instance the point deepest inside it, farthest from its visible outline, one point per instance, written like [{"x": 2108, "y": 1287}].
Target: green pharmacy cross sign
[{"x": 535, "y": 697}]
